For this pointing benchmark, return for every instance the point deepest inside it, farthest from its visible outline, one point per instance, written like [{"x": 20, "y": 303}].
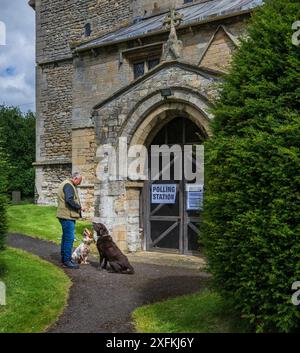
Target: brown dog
[{"x": 109, "y": 252}]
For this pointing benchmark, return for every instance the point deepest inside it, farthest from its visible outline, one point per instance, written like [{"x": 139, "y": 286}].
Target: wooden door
[{"x": 171, "y": 226}]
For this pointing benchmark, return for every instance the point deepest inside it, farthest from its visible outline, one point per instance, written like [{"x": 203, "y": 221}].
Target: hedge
[{"x": 251, "y": 228}]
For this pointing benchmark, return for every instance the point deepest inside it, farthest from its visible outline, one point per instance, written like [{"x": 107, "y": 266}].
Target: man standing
[{"x": 68, "y": 211}]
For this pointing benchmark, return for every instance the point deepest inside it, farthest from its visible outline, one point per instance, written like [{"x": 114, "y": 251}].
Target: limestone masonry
[{"x": 101, "y": 65}]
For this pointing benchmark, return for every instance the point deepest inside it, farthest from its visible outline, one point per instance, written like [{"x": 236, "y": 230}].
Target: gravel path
[{"x": 102, "y": 302}]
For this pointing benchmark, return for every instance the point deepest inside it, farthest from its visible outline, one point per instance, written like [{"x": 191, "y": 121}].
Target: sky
[{"x": 17, "y": 57}]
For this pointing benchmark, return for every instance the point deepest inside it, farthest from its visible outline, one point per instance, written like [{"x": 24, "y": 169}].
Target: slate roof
[{"x": 192, "y": 14}]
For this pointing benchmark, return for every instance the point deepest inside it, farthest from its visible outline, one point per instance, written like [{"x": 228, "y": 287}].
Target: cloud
[{"x": 17, "y": 57}]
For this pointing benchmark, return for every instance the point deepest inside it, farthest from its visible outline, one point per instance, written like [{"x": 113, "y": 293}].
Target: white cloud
[{"x": 17, "y": 57}]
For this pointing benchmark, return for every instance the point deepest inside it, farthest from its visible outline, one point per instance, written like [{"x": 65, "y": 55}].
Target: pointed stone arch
[
  {"x": 146, "y": 118},
  {"x": 161, "y": 115}
]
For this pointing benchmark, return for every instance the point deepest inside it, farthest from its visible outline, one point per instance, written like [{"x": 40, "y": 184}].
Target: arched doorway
[{"x": 170, "y": 219}]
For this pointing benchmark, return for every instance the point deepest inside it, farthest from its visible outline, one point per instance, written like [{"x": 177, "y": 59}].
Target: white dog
[{"x": 80, "y": 254}]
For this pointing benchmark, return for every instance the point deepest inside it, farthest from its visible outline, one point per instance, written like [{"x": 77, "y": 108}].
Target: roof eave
[{"x": 154, "y": 33}]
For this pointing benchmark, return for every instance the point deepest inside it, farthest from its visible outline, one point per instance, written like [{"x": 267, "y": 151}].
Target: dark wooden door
[{"x": 171, "y": 226}]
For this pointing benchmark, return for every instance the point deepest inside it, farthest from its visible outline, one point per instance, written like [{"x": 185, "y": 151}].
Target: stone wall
[
  {"x": 60, "y": 22},
  {"x": 54, "y": 90},
  {"x": 54, "y": 126},
  {"x": 57, "y": 24},
  {"x": 98, "y": 77},
  {"x": 48, "y": 178},
  {"x": 219, "y": 51},
  {"x": 195, "y": 43},
  {"x": 95, "y": 78},
  {"x": 83, "y": 160}
]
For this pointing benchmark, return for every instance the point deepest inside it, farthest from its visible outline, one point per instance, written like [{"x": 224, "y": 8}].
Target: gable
[
  {"x": 166, "y": 74},
  {"x": 218, "y": 53}
]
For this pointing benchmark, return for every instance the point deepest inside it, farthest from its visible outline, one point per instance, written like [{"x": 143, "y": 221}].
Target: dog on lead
[
  {"x": 109, "y": 252},
  {"x": 81, "y": 253}
]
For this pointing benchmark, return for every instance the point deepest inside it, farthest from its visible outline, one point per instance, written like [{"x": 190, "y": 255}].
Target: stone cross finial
[
  {"x": 173, "y": 48},
  {"x": 173, "y": 19}
]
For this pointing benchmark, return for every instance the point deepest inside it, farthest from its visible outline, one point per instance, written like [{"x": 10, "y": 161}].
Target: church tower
[{"x": 59, "y": 23}]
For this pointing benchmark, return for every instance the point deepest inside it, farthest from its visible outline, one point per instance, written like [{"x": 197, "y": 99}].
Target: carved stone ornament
[{"x": 172, "y": 49}]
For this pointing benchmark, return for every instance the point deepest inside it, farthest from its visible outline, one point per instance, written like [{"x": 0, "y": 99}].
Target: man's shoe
[{"x": 70, "y": 264}]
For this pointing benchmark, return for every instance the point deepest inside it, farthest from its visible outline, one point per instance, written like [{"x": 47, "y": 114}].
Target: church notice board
[{"x": 163, "y": 193}]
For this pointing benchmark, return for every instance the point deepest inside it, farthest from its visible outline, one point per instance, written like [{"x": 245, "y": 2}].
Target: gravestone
[
  {"x": 2, "y": 294},
  {"x": 16, "y": 197}
]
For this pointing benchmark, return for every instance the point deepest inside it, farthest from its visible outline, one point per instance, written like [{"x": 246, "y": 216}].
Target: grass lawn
[
  {"x": 39, "y": 222},
  {"x": 36, "y": 292},
  {"x": 203, "y": 312}
]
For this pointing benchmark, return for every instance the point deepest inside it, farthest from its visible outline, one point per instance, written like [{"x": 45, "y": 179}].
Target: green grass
[
  {"x": 39, "y": 222},
  {"x": 36, "y": 292},
  {"x": 203, "y": 312}
]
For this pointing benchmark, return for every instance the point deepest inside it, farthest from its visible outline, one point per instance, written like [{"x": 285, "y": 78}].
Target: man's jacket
[{"x": 69, "y": 206}]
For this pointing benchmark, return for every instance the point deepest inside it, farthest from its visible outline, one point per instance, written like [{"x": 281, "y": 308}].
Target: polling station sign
[{"x": 163, "y": 193}]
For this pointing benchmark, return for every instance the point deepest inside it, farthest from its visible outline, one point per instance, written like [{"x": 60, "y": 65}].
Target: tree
[
  {"x": 19, "y": 143},
  {"x": 251, "y": 228}
]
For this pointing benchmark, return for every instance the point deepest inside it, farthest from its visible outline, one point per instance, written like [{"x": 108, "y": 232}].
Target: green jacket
[{"x": 64, "y": 211}]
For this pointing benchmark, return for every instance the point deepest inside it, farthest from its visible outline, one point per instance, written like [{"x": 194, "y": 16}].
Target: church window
[
  {"x": 87, "y": 30},
  {"x": 152, "y": 63},
  {"x": 141, "y": 67}
]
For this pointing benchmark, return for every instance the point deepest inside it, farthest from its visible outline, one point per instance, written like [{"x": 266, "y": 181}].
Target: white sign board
[
  {"x": 194, "y": 197},
  {"x": 163, "y": 193}
]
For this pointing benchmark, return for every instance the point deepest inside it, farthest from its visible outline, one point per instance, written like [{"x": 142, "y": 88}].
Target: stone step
[{"x": 166, "y": 259}]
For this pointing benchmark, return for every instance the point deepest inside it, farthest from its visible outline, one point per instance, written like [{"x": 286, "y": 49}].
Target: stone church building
[{"x": 143, "y": 70}]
